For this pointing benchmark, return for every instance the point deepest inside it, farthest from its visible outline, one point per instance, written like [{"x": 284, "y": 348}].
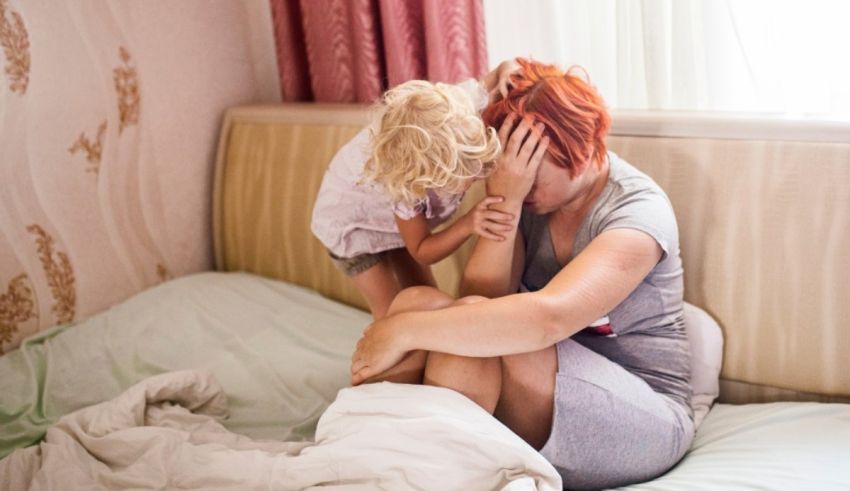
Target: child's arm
[{"x": 427, "y": 248}]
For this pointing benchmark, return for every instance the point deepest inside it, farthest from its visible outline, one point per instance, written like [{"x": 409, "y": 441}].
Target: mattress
[
  {"x": 281, "y": 354},
  {"x": 777, "y": 446}
]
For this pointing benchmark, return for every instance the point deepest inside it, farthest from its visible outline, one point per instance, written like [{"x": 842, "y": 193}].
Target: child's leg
[
  {"x": 395, "y": 271},
  {"x": 379, "y": 286},
  {"x": 408, "y": 271}
]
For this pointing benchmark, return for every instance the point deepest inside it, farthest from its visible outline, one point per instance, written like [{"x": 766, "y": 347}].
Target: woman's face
[{"x": 552, "y": 188}]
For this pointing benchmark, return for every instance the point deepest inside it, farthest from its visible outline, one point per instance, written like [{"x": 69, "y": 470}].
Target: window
[{"x": 782, "y": 57}]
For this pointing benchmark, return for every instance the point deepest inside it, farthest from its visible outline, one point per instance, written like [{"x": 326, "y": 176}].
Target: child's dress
[{"x": 351, "y": 219}]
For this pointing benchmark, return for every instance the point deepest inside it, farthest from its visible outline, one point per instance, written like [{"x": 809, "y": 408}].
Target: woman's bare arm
[
  {"x": 494, "y": 268},
  {"x": 591, "y": 285}
]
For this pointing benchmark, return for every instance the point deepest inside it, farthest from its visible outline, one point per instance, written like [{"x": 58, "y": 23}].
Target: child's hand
[
  {"x": 487, "y": 223},
  {"x": 498, "y": 82}
]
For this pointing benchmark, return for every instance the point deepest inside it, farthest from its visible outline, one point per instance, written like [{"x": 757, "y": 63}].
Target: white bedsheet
[
  {"x": 282, "y": 353},
  {"x": 163, "y": 433},
  {"x": 781, "y": 446}
]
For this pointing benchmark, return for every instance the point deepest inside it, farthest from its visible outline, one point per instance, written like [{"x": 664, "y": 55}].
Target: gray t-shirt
[{"x": 649, "y": 337}]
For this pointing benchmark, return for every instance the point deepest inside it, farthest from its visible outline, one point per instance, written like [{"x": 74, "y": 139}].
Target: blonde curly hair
[{"x": 428, "y": 136}]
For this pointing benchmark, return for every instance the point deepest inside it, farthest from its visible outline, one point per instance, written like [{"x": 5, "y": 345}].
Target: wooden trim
[{"x": 302, "y": 113}]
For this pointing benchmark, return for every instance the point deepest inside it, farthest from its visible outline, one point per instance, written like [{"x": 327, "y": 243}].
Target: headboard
[
  {"x": 271, "y": 160},
  {"x": 764, "y": 226}
]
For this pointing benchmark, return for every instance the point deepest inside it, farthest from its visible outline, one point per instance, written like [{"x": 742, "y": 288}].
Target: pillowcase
[{"x": 706, "y": 340}]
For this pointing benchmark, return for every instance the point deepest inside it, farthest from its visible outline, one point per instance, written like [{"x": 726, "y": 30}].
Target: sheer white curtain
[{"x": 767, "y": 56}]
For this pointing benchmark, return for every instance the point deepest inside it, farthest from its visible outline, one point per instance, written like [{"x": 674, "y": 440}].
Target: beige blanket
[{"x": 163, "y": 433}]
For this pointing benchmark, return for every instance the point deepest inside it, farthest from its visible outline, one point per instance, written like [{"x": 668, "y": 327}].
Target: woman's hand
[
  {"x": 498, "y": 82},
  {"x": 489, "y": 223},
  {"x": 516, "y": 167},
  {"x": 380, "y": 348}
]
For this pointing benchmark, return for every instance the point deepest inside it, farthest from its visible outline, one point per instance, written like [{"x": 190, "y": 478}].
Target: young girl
[{"x": 404, "y": 175}]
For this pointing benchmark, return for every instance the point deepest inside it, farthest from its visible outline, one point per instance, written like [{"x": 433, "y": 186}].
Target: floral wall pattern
[
  {"x": 109, "y": 121},
  {"x": 15, "y": 42}
]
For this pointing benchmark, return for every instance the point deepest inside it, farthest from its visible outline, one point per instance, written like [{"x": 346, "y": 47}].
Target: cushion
[{"x": 706, "y": 359}]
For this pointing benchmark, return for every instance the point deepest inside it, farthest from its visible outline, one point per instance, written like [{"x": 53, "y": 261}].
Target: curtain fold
[
  {"x": 353, "y": 50},
  {"x": 772, "y": 56}
]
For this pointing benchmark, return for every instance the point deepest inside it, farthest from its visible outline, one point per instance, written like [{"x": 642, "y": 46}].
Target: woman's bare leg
[
  {"x": 518, "y": 389},
  {"x": 479, "y": 379},
  {"x": 410, "y": 369},
  {"x": 527, "y": 398}
]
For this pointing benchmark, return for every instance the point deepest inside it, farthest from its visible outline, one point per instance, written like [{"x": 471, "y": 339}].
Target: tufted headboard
[{"x": 764, "y": 226}]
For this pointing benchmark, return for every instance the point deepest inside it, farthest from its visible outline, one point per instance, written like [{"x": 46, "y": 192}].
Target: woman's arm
[
  {"x": 494, "y": 268},
  {"x": 609, "y": 269},
  {"x": 592, "y": 284}
]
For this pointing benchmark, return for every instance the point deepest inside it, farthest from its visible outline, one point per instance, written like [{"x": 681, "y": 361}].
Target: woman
[{"x": 609, "y": 405}]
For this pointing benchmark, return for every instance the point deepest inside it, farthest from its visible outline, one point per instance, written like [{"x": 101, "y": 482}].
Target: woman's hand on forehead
[{"x": 523, "y": 148}]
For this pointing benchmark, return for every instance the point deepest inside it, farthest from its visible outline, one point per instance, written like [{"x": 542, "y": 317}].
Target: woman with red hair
[{"x": 573, "y": 333}]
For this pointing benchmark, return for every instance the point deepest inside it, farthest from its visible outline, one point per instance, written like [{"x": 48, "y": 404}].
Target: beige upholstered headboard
[
  {"x": 764, "y": 225},
  {"x": 271, "y": 160}
]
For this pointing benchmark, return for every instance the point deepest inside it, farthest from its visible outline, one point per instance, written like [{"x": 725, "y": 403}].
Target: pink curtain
[{"x": 353, "y": 50}]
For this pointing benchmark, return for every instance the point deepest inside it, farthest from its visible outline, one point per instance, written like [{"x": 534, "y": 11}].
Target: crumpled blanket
[{"x": 164, "y": 432}]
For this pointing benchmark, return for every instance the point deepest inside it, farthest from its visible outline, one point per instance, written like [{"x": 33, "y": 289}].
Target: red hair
[{"x": 571, "y": 110}]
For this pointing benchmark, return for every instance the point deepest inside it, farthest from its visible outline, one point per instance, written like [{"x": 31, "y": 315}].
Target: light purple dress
[{"x": 351, "y": 219}]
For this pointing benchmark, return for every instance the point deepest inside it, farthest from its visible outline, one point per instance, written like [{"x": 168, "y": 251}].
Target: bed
[{"x": 274, "y": 328}]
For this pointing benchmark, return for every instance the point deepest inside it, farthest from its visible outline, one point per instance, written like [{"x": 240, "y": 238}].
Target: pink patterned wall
[{"x": 108, "y": 125}]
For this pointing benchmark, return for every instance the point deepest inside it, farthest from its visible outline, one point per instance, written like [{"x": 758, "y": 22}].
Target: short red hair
[{"x": 572, "y": 111}]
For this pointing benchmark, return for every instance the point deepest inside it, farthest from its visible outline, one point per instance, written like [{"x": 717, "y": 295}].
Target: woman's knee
[
  {"x": 419, "y": 298},
  {"x": 469, "y": 300},
  {"x": 479, "y": 379}
]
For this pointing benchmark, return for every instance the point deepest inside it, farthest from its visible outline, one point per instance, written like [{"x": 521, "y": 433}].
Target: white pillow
[{"x": 706, "y": 359}]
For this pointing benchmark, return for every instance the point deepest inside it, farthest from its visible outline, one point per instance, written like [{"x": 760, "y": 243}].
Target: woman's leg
[
  {"x": 479, "y": 379},
  {"x": 411, "y": 368},
  {"x": 518, "y": 389},
  {"x": 527, "y": 399}
]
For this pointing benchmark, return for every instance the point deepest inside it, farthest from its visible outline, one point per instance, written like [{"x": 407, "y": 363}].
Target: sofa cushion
[{"x": 706, "y": 359}]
